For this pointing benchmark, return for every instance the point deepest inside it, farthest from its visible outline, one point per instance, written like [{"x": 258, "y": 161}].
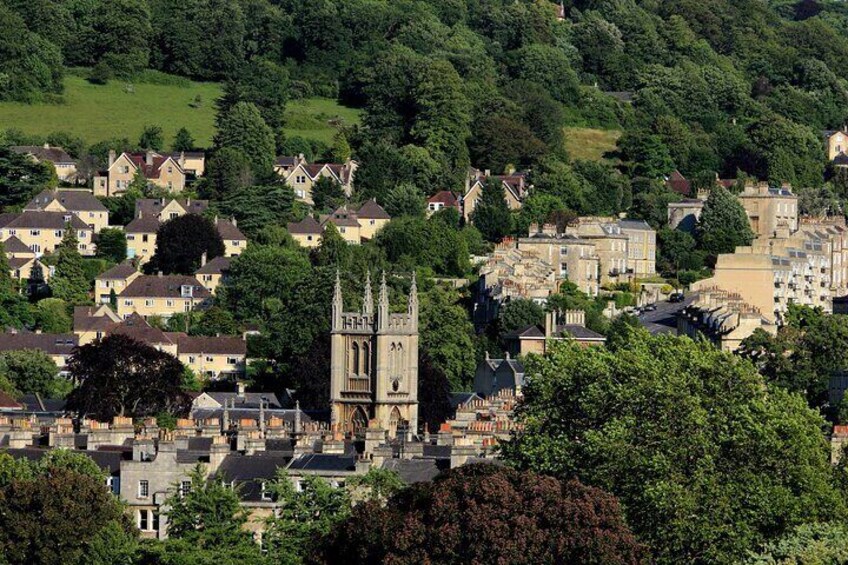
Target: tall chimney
[
  {"x": 203, "y": 259},
  {"x": 148, "y": 158},
  {"x": 111, "y": 157}
]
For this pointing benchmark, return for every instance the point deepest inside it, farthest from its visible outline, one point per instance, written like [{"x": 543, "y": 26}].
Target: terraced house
[
  {"x": 42, "y": 232},
  {"x": 162, "y": 295}
]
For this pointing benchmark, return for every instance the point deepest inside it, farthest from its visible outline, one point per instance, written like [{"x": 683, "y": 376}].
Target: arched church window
[
  {"x": 355, "y": 358},
  {"x": 358, "y": 420},
  {"x": 366, "y": 357}
]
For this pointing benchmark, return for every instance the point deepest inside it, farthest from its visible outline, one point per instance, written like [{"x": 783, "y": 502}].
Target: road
[{"x": 664, "y": 318}]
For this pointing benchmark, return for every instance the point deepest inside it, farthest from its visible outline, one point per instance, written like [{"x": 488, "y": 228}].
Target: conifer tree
[
  {"x": 69, "y": 283},
  {"x": 491, "y": 215}
]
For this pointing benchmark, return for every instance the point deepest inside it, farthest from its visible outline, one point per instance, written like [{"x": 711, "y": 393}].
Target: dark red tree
[{"x": 485, "y": 513}]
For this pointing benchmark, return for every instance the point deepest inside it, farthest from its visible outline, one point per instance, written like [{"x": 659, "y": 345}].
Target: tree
[
  {"x": 151, "y": 138},
  {"x": 327, "y": 195},
  {"x": 518, "y": 314},
  {"x": 723, "y": 224},
  {"x": 229, "y": 171},
  {"x": 405, "y": 199},
  {"x": 215, "y": 321},
  {"x": 491, "y": 214},
  {"x": 69, "y": 282},
  {"x": 209, "y": 515},
  {"x": 736, "y": 456},
  {"x": 120, "y": 376},
  {"x": 181, "y": 242},
  {"x": 305, "y": 515},
  {"x": 259, "y": 207},
  {"x": 445, "y": 333},
  {"x": 262, "y": 83},
  {"x": 112, "y": 244},
  {"x": 31, "y": 66},
  {"x": 340, "y": 151},
  {"x": 377, "y": 485},
  {"x": 51, "y": 316},
  {"x": 56, "y": 511},
  {"x": 434, "y": 406},
  {"x": 183, "y": 140},
  {"x": 333, "y": 251},
  {"x": 826, "y": 544},
  {"x": 21, "y": 178},
  {"x": 243, "y": 128},
  {"x": 443, "y": 522},
  {"x": 33, "y": 372}
]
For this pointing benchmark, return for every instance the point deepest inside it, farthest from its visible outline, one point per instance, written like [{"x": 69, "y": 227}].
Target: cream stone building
[
  {"x": 235, "y": 242},
  {"x": 162, "y": 295},
  {"x": 302, "y": 176},
  {"x": 515, "y": 189},
  {"x": 58, "y": 347},
  {"x": 513, "y": 273},
  {"x": 159, "y": 170},
  {"x": 641, "y": 247},
  {"x": 769, "y": 207},
  {"x": 374, "y": 363},
  {"x": 22, "y": 261},
  {"x": 353, "y": 225},
  {"x": 212, "y": 273},
  {"x": 116, "y": 280},
  {"x": 572, "y": 257},
  {"x": 42, "y": 232},
  {"x": 611, "y": 246},
  {"x": 837, "y": 144},
  {"x": 371, "y": 218},
  {"x": 723, "y": 317},
  {"x": 306, "y": 232},
  {"x": 212, "y": 358},
  {"x": 82, "y": 203},
  {"x": 93, "y": 322},
  {"x": 64, "y": 164}
]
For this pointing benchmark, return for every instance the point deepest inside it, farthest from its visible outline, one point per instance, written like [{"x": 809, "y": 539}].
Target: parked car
[
  {"x": 676, "y": 297},
  {"x": 649, "y": 307}
]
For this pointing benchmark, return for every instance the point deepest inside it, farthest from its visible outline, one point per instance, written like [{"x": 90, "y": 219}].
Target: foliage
[
  {"x": 69, "y": 282},
  {"x": 33, "y": 372},
  {"x": 491, "y": 214},
  {"x": 21, "y": 178},
  {"x": 31, "y": 66},
  {"x": 181, "y": 243},
  {"x": 446, "y": 336},
  {"x": 151, "y": 138},
  {"x": 405, "y": 199},
  {"x": 676, "y": 428},
  {"x": 112, "y": 244},
  {"x": 51, "y": 316},
  {"x": 183, "y": 140},
  {"x": 518, "y": 314},
  {"x": 723, "y": 224},
  {"x": 242, "y": 127},
  {"x": 377, "y": 485},
  {"x": 327, "y": 195},
  {"x": 443, "y": 522},
  {"x": 411, "y": 242},
  {"x": 824, "y": 544},
  {"x": 258, "y": 207},
  {"x": 120, "y": 376}
]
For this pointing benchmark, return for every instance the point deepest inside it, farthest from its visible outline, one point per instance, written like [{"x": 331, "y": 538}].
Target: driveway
[{"x": 664, "y": 318}]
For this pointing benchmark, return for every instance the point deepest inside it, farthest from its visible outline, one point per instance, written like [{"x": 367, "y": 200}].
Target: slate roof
[
  {"x": 46, "y": 220},
  {"x": 581, "y": 332},
  {"x": 532, "y": 331},
  {"x": 15, "y": 245},
  {"x": 224, "y": 345},
  {"x": 416, "y": 470},
  {"x": 137, "y": 328},
  {"x": 215, "y": 267},
  {"x": 841, "y": 159},
  {"x": 165, "y": 286},
  {"x": 119, "y": 272},
  {"x": 154, "y": 206},
  {"x": 52, "y": 154},
  {"x": 634, "y": 224},
  {"x": 72, "y": 200},
  {"x": 286, "y": 161},
  {"x": 325, "y": 462},
  {"x": 228, "y": 230},
  {"x": 86, "y": 321},
  {"x": 145, "y": 224},
  {"x": 248, "y": 472},
  {"x": 459, "y": 398},
  {"x": 51, "y": 344},
  {"x": 34, "y": 403},
  {"x": 7, "y": 217},
  {"x": 248, "y": 400},
  {"x": 307, "y": 225},
  {"x": 370, "y": 210},
  {"x": 18, "y": 262}
]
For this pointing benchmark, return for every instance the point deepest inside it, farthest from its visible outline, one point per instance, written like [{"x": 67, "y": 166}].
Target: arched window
[
  {"x": 394, "y": 420},
  {"x": 392, "y": 360},
  {"x": 366, "y": 357},
  {"x": 355, "y": 358},
  {"x": 399, "y": 362},
  {"x": 358, "y": 420}
]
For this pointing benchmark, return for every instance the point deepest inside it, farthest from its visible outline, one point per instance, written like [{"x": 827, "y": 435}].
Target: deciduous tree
[{"x": 181, "y": 242}]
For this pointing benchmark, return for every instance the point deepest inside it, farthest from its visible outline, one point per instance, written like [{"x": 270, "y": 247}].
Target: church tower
[{"x": 374, "y": 362}]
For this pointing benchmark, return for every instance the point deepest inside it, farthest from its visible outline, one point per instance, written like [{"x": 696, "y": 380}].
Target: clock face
[{"x": 395, "y": 384}]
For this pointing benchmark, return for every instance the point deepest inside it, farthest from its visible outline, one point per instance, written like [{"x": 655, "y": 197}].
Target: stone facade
[
  {"x": 723, "y": 317},
  {"x": 374, "y": 363}
]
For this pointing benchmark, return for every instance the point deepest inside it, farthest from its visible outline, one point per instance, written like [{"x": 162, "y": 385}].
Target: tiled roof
[
  {"x": 250, "y": 471},
  {"x": 119, "y": 272},
  {"x": 286, "y": 161},
  {"x": 342, "y": 217},
  {"x": 47, "y": 220},
  {"x": 51, "y": 344},
  {"x": 15, "y": 245},
  {"x": 323, "y": 462},
  {"x": 581, "y": 332},
  {"x": 634, "y": 224},
  {"x": 145, "y": 224},
  {"x": 7, "y": 217},
  {"x": 247, "y": 400},
  {"x": 223, "y": 345},
  {"x": 154, "y": 206},
  {"x": 86, "y": 321},
  {"x": 678, "y": 183},
  {"x": 228, "y": 230},
  {"x": 306, "y": 226},
  {"x": 165, "y": 286},
  {"x": 8, "y": 402},
  {"x": 154, "y": 169},
  {"x": 370, "y": 210},
  {"x": 137, "y": 328},
  {"x": 215, "y": 267},
  {"x": 72, "y": 200},
  {"x": 841, "y": 159},
  {"x": 52, "y": 154},
  {"x": 415, "y": 470},
  {"x": 18, "y": 262},
  {"x": 446, "y": 197}
]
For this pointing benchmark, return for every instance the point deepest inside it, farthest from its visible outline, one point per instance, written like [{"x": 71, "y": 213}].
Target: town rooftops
[
  {"x": 445, "y": 197},
  {"x": 7, "y": 402},
  {"x": 144, "y": 224},
  {"x": 137, "y": 328},
  {"x": 72, "y": 200},
  {"x": 250, "y": 471},
  {"x": 46, "y": 220},
  {"x": 154, "y": 206},
  {"x": 120, "y": 271},
  {"x": 44, "y": 153},
  {"x": 370, "y": 210},
  {"x": 15, "y": 245},
  {"x": 323, "y": 462},
  {"x": 220, "y": 345},
  {"x": 581, "y": 332},
  {"x": 51, "y": 344},
  {"x": 215, "y": 267},
  {"x": 635, "y": 225},
  {"x": 244, "y": 400},
  {"x": 307, "y": 225},
  {"x": 87, "y": 320},
  {"x": 165, "y": 286},
  {"x": 416, "y": 470},
  {"x": 150, "y": 164}
]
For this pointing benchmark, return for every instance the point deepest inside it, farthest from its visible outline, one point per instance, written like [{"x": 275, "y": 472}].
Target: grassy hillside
[
  {"x": 588, "y": 144},
  {"x": 98, "y": 112}
]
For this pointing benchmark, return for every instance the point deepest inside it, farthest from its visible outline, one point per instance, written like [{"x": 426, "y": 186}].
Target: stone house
[
  {"x": 235, "y": 242},
  {"x": 64, "y": 164},
  {"x": 212, "y": 357},
  {"x": 441, "y": 200},
  {"x": 93, "y": 322},
  {"x": 353, "y": 225},
  {"x": 723, "y": 317},
  {"x": 116, "y": 279},
  {"x": 302, "y": 176},
  {"x": 22, "y": 260},
  {"x": 515, "y": 189},
  {"x": 572, "y": 258},
  {"x": 159, "y": 170},
  {"x": 82, "y": 203},
  {"x": 162, "y": 295},
  {"x": 42, "y": 232},
  {"x": 565, "y": 326},
  {"x": 371, "y": 218},
  {"x": 56, "y": 346},
  {"x": 836, "y": 142},
  {"x": 212, "y": 273},
  {"x": 306, "y": 232}
]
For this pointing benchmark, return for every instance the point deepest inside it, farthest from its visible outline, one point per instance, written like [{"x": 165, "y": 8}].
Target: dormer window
[{"x": 186, "y": 291}]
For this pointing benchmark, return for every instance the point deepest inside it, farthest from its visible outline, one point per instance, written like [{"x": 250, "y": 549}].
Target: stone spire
[
  {"x": 412, "y": 304},
  {"x": 338, "y": 304},
  {"x": 368, "y": 298},
  {"x": 383, "y": 305}
]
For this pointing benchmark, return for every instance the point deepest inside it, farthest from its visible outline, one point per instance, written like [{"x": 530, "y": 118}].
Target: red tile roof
[{"x": 445, "y": 197}]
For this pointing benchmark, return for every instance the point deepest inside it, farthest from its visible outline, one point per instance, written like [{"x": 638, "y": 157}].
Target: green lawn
[
  {"x": 99, "y": 112},
  {"x": 588, "y": 144}
]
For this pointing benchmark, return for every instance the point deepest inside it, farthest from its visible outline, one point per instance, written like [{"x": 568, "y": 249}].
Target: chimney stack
[
  {"x": 240, "y": 389},
  {"x": 203, "y": 259},
  {"x": 111, "y": 157},
  {"x": 148, "y": 158}
]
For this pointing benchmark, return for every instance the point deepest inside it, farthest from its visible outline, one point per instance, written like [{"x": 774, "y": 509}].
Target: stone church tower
[{"x": 374, "y": 362}]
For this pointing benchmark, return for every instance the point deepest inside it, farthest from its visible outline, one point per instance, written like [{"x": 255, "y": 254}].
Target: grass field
[
  {"x": 590, "y": 144},
  {"x": 99, "y": 112}
]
